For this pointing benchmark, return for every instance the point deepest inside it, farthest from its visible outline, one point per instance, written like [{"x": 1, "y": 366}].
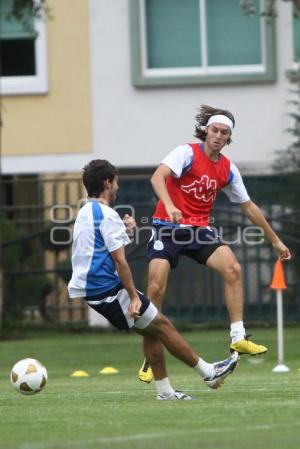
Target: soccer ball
[{"x": 28, "y": 376}]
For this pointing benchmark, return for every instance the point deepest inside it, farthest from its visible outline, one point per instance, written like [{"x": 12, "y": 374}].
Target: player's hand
[
  {"x": 134, "y": 307},
  {"x": 175, "y": 215},
  {"x": 130, "y": 224},
  {"x": 282, "y": 250}
]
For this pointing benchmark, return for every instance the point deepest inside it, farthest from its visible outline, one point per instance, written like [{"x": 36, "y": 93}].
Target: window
[
  {"x": 199, "y": 41},
  {"x": 23, "y": 65}
]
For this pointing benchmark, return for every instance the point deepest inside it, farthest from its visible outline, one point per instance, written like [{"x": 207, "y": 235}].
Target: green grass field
[{"x": 255, "y": 408}]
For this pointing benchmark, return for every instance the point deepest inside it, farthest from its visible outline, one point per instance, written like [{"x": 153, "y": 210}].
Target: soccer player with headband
[{"x": 187, "y": 182}]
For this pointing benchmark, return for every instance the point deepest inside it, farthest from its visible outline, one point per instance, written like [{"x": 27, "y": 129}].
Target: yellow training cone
[
  {"x": 80, "y": 374},
  {"x": 108, "y": 370}
]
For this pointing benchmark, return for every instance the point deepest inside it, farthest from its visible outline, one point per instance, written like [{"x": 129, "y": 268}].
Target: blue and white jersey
[{"x": 98, "y": 231}]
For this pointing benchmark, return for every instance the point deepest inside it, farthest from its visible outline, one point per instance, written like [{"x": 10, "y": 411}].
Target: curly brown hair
[{"x": 204, "y": 114}]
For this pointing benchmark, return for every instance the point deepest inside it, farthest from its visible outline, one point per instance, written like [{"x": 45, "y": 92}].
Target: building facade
[{"x": 123, "y": 79}]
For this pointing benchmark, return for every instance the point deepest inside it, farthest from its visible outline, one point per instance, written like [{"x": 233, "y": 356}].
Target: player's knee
[
  {"x": 233, "y": 272},
  {"x": 156, "y": 291}
]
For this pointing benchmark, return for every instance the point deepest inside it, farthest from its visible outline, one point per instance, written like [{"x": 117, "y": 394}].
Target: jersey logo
[{"x": 204, "y": 189}]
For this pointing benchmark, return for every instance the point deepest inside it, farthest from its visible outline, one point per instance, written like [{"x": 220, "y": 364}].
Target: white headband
[{"x": 220, "y": 119}]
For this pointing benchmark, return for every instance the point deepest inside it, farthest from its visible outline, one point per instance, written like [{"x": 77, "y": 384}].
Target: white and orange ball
[{"x": 28, "y": 376}]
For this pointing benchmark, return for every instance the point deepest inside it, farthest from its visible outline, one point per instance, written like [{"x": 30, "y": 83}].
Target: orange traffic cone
[{"x": 278, "y": 281}]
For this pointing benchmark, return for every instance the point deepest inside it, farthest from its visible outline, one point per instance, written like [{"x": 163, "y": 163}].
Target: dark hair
[
  {"x": 94, "y": 175},
  {"x": 204, "y": 114}
]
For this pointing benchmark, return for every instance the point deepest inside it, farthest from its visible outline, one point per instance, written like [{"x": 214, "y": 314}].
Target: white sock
[
  {"x": 205, "y": 369},
  {"x": 237, "y": 331},
  {"x": 164, "y": 387}
]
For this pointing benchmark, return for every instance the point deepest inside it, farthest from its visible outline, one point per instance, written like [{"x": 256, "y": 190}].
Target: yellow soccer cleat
[
  {"x": 145, "y": 373},
  {"x": 248, "y": 347}
]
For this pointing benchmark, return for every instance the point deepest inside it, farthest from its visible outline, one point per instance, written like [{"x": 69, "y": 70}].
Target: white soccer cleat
[
  {"x": 173, "y": 397},
  {"x": 222, "y": 370}
]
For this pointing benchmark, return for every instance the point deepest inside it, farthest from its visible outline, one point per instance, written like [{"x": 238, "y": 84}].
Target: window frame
[
  {"x": 143, "y": 76},
  {"x": 32, "y": 84}
]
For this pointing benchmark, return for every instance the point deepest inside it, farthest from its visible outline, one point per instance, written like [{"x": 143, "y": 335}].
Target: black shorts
[
  {"x": 114, "y": 308},
  {"x": 171, "y": 242}
]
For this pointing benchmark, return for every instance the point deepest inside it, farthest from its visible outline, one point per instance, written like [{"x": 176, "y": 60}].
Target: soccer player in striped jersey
[
  {"x": 186, "y": 183},
  {"x": 102, "y": 277}
]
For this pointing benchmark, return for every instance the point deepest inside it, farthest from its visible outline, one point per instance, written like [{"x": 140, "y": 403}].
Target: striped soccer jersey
[{"x": 98, "y": 231}]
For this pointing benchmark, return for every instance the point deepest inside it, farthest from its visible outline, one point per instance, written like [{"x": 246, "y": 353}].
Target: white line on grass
[{"x": 154, "y": 435}]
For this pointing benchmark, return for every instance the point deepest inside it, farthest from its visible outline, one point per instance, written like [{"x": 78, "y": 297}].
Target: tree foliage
[
  {"x": 22, "y": 287},
  {"x": 20, "y": 9}
]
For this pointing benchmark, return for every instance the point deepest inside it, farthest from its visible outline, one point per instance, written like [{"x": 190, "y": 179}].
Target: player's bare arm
[
  {"x": 124, "y": 272},
  {"x": 158, "y": 182},
  {"x": 255, "y": 214}
]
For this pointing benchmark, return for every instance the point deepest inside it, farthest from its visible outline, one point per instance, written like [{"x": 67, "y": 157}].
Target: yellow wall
[{"x": 59, "y": 122}]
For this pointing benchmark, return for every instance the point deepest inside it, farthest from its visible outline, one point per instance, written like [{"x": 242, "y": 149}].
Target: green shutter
[
  {"x": 173, "y": 38},
  {"x": 12, "y": 28},
  {"x": 296, "y": 33},
  {"x": 233, "y": 38}
]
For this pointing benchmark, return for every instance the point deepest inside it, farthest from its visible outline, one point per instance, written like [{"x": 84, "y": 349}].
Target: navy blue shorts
[
  {"x": 115, "y": 309},
  {"x": 171, "y": 242}
]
